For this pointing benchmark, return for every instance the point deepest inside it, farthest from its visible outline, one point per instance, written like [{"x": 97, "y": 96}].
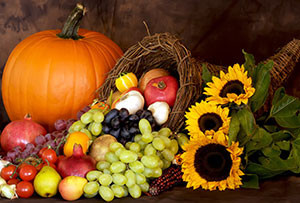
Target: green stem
[{"x": 70, "y": 29}]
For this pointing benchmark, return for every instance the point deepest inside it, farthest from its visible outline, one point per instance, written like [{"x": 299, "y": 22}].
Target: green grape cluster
[
  {"x": 90, "y": 123},
  {"x": 127, "y": 169}
]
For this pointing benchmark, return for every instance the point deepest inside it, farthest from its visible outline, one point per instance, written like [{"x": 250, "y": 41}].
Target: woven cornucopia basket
[{"x": 161, "y": 51}]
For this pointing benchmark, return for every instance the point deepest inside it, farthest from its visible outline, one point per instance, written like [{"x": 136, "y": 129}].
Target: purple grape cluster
[{"x": 55, "y": 140}]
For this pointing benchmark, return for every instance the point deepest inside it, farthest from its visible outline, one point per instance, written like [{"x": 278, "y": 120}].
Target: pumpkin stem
[{"x": 71, "y": 26}]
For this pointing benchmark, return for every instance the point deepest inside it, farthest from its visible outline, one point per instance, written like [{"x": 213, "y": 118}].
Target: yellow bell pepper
[{"x": 126, "y": 81}]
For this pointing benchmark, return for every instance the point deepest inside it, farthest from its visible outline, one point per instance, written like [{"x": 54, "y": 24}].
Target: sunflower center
[
  {"x": 210, "y": 121},
  {"x": 233, "y": 86},
  {"x": 213, "y": 162}
]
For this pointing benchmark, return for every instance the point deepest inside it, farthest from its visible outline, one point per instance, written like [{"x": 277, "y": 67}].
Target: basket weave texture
[{"x": 165, "y": 51}]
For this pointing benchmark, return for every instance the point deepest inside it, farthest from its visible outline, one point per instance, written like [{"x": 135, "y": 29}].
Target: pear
[
  {"x": 71, "y": 187},
  {"x": 46, "y": 182}
]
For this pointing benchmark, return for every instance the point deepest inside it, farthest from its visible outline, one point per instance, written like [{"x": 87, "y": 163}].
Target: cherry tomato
[
  {"x": 24, "y": 189},
  {"x": 28, "y": 173},
  {"x": 21, "y": 166},
  {"x": 41, "y": 151},
  {"x": 13, "y": 181},
  {"x": 50, "y": 155},
  {"x": 9, "y": 172}
]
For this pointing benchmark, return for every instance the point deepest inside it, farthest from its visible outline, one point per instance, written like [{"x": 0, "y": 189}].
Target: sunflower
[
  {"x": 233, "y": 86},
  {"x": 207, "y": 118},
  {"x": 209, "y": 163}
]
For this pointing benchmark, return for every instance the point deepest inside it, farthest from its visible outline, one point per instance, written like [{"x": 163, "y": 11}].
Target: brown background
[{"x": 213, "y": 30}]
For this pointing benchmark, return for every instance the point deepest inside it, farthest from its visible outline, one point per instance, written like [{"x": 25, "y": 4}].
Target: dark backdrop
[{"x": 215, "y": 31}]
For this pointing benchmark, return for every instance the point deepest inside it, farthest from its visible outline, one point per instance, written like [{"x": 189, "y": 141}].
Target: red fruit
[
  {"x": 13, "y": 181},
  {"x": 24, "y": 189},
  {"x": 161, "y": 89},
  {"x": 28, "y": 172},
  {"x": 76, "y": 165},
  {"x": 9, "y": 172},
  {"x": 49, "y": 155},
  {"x": 20, "y": 132}
]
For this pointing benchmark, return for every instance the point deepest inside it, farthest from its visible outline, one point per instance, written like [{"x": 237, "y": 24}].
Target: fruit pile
[
  {"x": 127, "y": 169},
  {"x": 115, "y": 148}
]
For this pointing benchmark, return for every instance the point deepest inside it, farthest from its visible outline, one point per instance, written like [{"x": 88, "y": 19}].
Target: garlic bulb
[{"x": 160, "y": 112}]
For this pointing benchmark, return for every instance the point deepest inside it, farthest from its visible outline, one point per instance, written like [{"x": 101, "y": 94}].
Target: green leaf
[
  {"x": 286, "y": 110},
  {"x": 247, "y": 121},
  {"x": 249, "y": 63},
  {"x": 234, "y": 128},
  {"x": 263, "y": 80},
  {"x": 262, "y": 171},
  {"x": 259, "y": 140},
  {"x": 271, "y": 128},
  {"x": 250, "y": 181},
  {"x": 295, "y": 154},
  {"x": 281, "y": 135},
  {"x": 206, "y": 75},
  {"x": 272, "y": 151},
  {"x": 284, "y": 145},
  {"x": 280, "y": 92}
]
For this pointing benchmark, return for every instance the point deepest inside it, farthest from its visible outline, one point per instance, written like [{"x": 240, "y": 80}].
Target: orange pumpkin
[{"x": 53, "y": 74}]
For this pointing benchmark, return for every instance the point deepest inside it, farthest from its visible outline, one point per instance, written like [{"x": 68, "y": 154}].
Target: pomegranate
[
  {"x": 20, "y": 132},
  {"x": 78, "y": 164}
]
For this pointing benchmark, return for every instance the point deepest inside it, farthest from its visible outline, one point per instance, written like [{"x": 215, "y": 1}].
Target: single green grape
[
  {"x": 115, "y": 145},
  {"x": 98, "y": 117},
  {"x": 155, "y": 134},
  {"x": 130, "y": 175},
  {"x": 167, "y": 164},
  {"x": 96, "y": 128},
  {"x": 158, "y": 144},
  {"x": 174, "y": 146},
  {"x": 135, "y": 191},
  {"x": 119, "y": 179},
  {"x": 145, "y": 126},
  {"x": 102, "y": 165},
  {"x": 140, "y": 178},
  {"x": 111, "y": 157},
  {"x": 117, "y": 167},
  {"x": 147, "y": 138},
  {"x": 182, "y": 139},
  {"x": 156, "y": 172},
  {"x": 77, "y": 126},
  {"x": 91, "y": 187},
  {"x": 168, "y": 154},
  {"x": 135, "y": 147},
  {"x": 105, "y": 179},
  {"x": 149, "y": 150},
  {"x": 160, "y": 163},
  {"x": 137, "y": 138},
  {"x": 86, "y": 118},
  {"x": 127, "y": 145},
  {"x": 106, "y": 193},
  {"x": 93, "y": 175},
  {"x": 165, "y": 132},
  {"x": 136, "y": 166},
  {"x": 127, "y": 156},
  {"x": 125, "y": 190},
  {"x": 150, "y": 161},
  {"x": 118, "y": 190},
  {"x": 144, "y": 187}
]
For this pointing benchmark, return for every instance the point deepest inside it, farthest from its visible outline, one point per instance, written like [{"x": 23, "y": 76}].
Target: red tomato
[
  {"x": 13, "y": 181},
  {"x": 9, "y": 172},
  {"x": 50, "y": 155},
  {"x": 28, "y": 173},
  {"x": 24, "y": 189},
  {"x": 41, "y": 151}
]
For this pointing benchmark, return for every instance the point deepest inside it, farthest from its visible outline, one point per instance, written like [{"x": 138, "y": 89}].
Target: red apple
[
  {"x": 162, "y": 89},
  {"x": 20, "y": 132}
]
